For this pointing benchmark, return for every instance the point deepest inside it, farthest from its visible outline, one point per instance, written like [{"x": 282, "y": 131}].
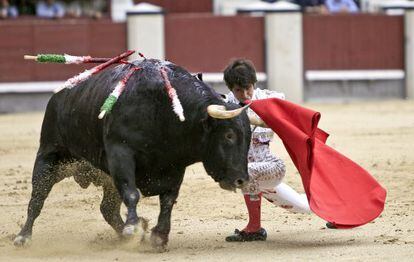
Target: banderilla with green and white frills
[
  {"x": 113, "y": 97},
  {"x": 71, "y": 82}
]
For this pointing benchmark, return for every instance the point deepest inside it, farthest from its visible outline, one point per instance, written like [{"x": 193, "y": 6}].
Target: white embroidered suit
[{"x": 265, "y": 169}]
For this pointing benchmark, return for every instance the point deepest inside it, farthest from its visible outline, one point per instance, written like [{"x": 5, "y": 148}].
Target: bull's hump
[{"x": 152, "y": 63}]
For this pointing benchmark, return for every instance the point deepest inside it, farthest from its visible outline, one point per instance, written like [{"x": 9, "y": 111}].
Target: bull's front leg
[
  {"x": 121, "y": 165},
  {"x": 159, "y": 234}
]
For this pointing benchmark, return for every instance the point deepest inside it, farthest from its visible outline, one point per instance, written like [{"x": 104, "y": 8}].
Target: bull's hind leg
[
  {"x": 44, "y": 177},
  {"x": 121, "y": 164},
  {"x": 110, "y": 207}
]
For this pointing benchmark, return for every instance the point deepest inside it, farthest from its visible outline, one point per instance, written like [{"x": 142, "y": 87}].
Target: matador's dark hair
[{"x": 240, "y": 72}]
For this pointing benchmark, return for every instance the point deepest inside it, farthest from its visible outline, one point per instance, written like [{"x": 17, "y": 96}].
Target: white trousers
[
  {"x": 266, "y": 178},
  {"x": 284, "y": 196}
]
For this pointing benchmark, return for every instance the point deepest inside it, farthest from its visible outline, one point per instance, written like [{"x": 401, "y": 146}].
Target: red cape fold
[{"x": 338, "y": 189}]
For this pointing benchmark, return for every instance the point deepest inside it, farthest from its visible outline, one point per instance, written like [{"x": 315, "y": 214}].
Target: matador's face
[{"x": 243, "y": 94}]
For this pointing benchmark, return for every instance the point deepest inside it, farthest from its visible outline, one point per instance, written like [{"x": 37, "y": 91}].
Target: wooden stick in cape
[
  {"x": 71, "y": 82},
  {"x": 113, "y": 97},
  {"x": 172, "y": 94},
  {"x": 68, "y": 59}
]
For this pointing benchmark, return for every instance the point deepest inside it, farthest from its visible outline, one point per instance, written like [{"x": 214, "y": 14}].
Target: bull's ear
[{"x": 199, "y": 76}]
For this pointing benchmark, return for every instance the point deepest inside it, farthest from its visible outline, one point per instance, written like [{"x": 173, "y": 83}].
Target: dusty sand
[{"x": 379, "y": 136}]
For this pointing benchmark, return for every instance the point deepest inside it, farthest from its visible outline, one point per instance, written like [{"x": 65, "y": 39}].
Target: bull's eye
[{"x": 230, "y": 136}]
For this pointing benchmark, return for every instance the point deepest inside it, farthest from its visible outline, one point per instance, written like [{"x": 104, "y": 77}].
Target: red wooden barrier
[
  {"x": 364, "y": 41},
  {"x": 207, "y": 43},
  {"x": 74, "y": 36},
  {"x": 203, "y": 42}
]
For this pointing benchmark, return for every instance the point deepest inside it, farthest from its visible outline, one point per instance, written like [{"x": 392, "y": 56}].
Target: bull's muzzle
[{"x": 238, "y": 183}]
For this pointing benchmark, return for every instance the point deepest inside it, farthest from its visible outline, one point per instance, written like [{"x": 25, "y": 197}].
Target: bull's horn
[
  {"x": 256, "y": 121},
  {"x": 220, "y": 112}
]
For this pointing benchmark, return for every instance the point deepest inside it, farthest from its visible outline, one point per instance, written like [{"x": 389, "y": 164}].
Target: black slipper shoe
[
  {"x": 330, "y": 225},
  {"x": 242, "y": 236}
]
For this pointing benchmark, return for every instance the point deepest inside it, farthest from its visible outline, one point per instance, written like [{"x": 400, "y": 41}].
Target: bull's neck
[
  {"x": 194, "y": 135},
  {"x": 195, "y": 141},
  {"x": 195, "y": 101}
]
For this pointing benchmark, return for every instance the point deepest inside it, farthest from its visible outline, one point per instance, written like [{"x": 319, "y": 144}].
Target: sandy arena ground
[{"x": 379, "y": 136}]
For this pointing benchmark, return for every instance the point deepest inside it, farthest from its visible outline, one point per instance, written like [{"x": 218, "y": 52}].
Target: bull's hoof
[
  {"x": 22, "y": 241},
  {"x": 138, "y": 229},
  {"x": 159, "y": 241}
]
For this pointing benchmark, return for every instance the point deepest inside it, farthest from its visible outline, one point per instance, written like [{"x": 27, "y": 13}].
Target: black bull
[{"x": 140, "y": 144}]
